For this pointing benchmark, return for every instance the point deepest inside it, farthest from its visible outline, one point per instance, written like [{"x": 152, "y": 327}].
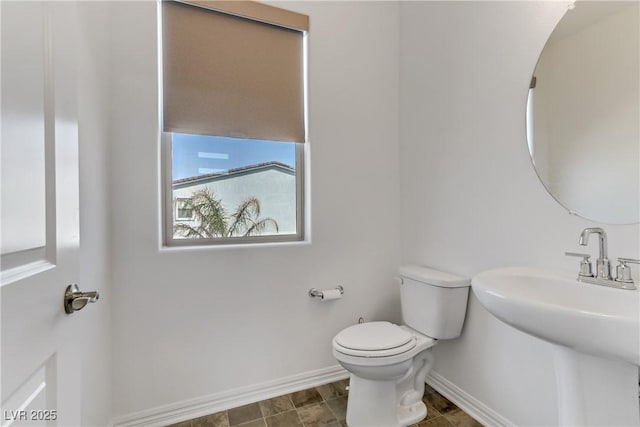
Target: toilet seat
[{"x": 374, "y": 339}]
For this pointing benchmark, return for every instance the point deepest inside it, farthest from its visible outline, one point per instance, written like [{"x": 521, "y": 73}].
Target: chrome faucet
[
  {"x": 603, "y": 266},
  {"x": 603, "y": 277}
]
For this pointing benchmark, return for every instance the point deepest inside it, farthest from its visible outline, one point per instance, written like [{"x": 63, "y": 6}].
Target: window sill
[{"x": 235, "y": 246}]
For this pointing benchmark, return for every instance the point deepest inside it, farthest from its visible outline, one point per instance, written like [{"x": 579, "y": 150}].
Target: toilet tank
[{"x": 433, "y": 302}]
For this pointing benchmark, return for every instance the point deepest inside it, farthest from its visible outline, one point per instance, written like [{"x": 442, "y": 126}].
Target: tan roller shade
[{"x": 228, "y": 75}]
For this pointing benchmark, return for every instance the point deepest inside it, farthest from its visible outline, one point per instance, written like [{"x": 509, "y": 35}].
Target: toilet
[{"x": 389, "y": 363}]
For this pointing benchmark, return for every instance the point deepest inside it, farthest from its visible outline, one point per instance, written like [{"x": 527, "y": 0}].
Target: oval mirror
[{"x": 583, "y": 114}]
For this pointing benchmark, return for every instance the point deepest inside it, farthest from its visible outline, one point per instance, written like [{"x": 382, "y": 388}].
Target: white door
[{"x": 40, "y": 214}]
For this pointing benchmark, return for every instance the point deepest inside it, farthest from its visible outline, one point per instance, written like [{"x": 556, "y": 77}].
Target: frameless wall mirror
[{"x": 583, "y": 115}]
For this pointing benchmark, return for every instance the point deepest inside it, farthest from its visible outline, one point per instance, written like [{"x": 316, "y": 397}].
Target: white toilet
[{"x": 389, "y": 363}]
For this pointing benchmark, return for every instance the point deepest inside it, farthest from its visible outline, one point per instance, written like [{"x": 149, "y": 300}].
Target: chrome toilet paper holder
[{"x": 316, "y": 293}]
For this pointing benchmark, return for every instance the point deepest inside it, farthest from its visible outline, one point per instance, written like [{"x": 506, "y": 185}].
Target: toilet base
[
  {"x": 389, "y": 400},
  {"x": 408, "y": 415},
  {"x": 374, "y": 404}
]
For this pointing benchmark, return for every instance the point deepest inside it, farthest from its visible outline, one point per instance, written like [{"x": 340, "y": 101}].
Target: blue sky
[{"x": 197, "y": 154}]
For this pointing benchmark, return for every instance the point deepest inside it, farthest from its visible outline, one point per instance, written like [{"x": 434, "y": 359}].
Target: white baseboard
[
  {"x": 469, "y": 404},
  {"x": 201, "y": 406},
  {"x": 198, "y": 407}
]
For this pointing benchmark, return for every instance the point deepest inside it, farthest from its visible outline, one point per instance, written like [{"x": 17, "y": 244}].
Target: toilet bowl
[{"x": 389, "y": 363}]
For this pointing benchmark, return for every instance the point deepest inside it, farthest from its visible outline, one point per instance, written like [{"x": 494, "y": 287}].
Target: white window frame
[{"x": 169, "y": 213}]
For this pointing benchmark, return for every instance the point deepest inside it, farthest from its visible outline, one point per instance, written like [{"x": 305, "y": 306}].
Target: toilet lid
[{"x": 374, "y": 339}]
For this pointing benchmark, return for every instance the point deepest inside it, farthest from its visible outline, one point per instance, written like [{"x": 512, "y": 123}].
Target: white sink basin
[{"x": 557, "y": 308}]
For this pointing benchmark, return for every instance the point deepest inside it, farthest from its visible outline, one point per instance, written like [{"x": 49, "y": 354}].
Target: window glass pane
[
  {"x": 183, "y": 209},
  {"x": 227, "y": 187}
]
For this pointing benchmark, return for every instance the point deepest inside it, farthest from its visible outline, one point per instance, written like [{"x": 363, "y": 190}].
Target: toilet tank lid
[{"x": 434, "y": 277}]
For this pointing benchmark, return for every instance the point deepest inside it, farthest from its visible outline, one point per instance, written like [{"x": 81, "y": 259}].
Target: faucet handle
[
  {"x": 585, "y": 265},
  {"x": 585, "y": 256},
  {"x": 623, "y": 272},
  {"x": 628, "y": 260}
]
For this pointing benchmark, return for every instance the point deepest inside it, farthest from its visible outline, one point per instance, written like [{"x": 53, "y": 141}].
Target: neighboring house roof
[{"x": 244, "y": 170}]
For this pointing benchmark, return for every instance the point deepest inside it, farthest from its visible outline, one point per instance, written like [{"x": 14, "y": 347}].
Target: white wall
[
  {"x": 470, "y": 199},
  {"x": 95, "y": 260},
  {"x": 188, "y": 323}
]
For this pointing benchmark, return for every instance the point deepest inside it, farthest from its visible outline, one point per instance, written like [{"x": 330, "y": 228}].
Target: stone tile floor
[{"x": 325, "y": 405}]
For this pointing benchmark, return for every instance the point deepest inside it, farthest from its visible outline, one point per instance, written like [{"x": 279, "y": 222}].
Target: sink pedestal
[{"x": 595, "y": 391}]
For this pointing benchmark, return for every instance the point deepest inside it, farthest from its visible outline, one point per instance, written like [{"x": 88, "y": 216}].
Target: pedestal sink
[{"x": 595, "y": 332}]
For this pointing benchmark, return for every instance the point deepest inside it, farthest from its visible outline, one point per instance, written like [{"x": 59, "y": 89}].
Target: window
[
  {"x": 234, "y": 122},
  {"x": 230, "y": 189},
  {"x": 184, "y": 210}
]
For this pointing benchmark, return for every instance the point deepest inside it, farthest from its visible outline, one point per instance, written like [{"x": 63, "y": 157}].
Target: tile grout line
[
  {"x": 297, "y": 413},
  {"x": 295, "y": 409}
]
